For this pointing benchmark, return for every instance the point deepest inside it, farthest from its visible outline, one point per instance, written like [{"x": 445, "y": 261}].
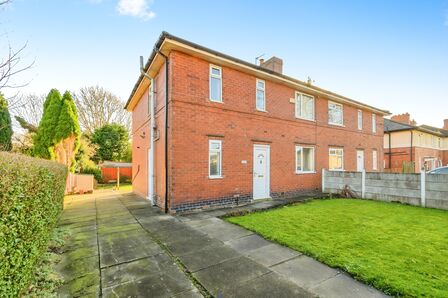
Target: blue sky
[{"x": 390, "y": 54}]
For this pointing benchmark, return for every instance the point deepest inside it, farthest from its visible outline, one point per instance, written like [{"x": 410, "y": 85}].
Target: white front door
[
  {"x": 359, "y": 160},
  {"x": 261, "y": 187}
]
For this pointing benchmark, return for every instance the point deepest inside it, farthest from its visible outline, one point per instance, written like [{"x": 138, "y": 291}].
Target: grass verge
[{"x": 396, "y": 248}]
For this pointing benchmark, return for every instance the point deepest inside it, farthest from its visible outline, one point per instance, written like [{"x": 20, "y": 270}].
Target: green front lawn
[
  {"x": 123, "y": 186},
  {"x": 402, "y": 250}
]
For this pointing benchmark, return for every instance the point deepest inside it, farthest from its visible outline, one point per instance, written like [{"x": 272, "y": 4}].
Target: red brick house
[
  {"x": 235, "y": 131},
  {"x": 419, "y": 146}
]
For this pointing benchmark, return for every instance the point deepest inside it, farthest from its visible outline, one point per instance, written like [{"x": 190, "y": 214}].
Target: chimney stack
[
  {"x": 274, "y": 63},
  {"x": 445, "y": 124},
  {"x": 404, "y": 118}
]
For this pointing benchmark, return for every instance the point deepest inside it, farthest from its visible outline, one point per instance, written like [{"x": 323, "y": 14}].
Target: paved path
[{"x": 121, "y": 247}]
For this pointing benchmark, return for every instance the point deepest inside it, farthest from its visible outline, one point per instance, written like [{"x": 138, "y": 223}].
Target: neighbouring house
[
  {"x": 233, "y": 131},
  {"x": 111, "y": 169},
  {"x": 423, "y": 147}
]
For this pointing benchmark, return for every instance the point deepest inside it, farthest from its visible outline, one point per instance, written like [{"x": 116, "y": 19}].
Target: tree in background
[
  {"x": 44, "y": 139},
  {"x": 67, "y": 134},
  {"x": 112, "y": 141},
  {"x": 98, "y": 107},
  {"x": 5, "y": 126}
]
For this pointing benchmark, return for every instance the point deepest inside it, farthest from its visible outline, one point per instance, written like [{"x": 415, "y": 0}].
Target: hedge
[{"x": 31, "y": 199}]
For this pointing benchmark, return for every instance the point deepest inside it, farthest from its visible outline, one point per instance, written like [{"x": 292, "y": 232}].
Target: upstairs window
[
  {"x": 260, "y": 95},
  {"x": 373, "y": 123},
  {"x": 304, "y": 106},
  {"x": 214, "y": 158},
  {"x": 336, "y": 159},
  {"x": 359, "y": 120},
  {"x": 335, "y": 113},
  {"x": 304, "y": 159},
  {"x": 215, "y": 83}
]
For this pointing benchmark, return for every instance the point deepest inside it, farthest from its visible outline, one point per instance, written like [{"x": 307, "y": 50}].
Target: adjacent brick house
[
  {"x": 420, "y": 146},
  {"x": 238, "y": 131}
]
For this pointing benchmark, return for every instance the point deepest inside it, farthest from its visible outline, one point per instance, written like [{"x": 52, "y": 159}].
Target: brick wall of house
[
  {"x": 195, "y": 120},
  {"x": 141, "y": 141}
]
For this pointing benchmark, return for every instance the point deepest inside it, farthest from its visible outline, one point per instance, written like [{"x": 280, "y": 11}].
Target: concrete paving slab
[
  {"x": 84, "y": 286},
  {"x": 224, "y": 231},
  {"x": 305, "y": 271},
  {"x": 150, "y": 286},
  {"x": 128, "y": 227},
  {"x": 272, "y": 254},
  {"x": 189, "y": 294},
  {"x": 208, "y": 256},
  {"x": 190, "y": 244},
  {"x": 268, "y": 285},
  {"x": 138, "y": 269},
  {"x": 343, "y": 285},
  {"x": 72, "y": 269},
  {"x": 231, "y": 272},
  {"x": 247, "y": 243}
]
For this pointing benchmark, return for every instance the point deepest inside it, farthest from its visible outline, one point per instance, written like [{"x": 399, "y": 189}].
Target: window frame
[
  {"x": 210, "y": 151},
  {"x": 264, "y": 95},
  {"x": 314, "y": 159},
  {"x": 360, "y": 116},
  {"x": 374, "y": 130},
  {"x": 296, "y": 99},
  {"x": 211, "y": 75},
  {"x": 342, "y": 113},
  {"x": 374, "y": 159},
  {"x": 342, "y": 156}
]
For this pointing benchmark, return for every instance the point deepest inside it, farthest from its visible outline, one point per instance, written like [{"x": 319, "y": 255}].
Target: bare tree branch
[
  {"x": 11, "y": 66},
  {"x": 97, "y": 107},
  {"x": 28, "y": 107}
]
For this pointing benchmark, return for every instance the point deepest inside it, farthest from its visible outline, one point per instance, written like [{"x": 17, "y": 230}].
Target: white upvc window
[
  {"x": 304, "y": 106},
  {"x": 260, "y": 97},
  {"x": 374, "y": 159},
  {"x": 215, "y": 158},
  {"x": 335, "y": 113},
  {"x": 215, "y": 83},
  {"x": 373, "y": 123},
  {"x": 359, "y": 120},
  {"x": 336, "y": 159},
  {"x": 304, "y": 159}
]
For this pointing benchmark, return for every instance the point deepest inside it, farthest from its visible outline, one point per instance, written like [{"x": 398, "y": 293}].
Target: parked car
[{"x": 441, "y": 170}]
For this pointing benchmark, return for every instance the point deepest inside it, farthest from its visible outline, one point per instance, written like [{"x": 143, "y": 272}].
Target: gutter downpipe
[
  {"x": 166, "y": 127},
  {"x": 152, "y": 125}
]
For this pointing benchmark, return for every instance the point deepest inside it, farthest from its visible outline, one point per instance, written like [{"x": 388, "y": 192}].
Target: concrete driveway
[{"x": 120, "y": 246}]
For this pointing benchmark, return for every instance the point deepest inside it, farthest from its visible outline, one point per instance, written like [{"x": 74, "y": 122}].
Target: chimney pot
[
  {"x": 274, "y": 63},
  {"x": 445, "y": 124}
]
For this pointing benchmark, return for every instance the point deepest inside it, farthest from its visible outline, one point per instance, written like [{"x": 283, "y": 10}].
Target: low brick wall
[{"x": 428, "y": 190}]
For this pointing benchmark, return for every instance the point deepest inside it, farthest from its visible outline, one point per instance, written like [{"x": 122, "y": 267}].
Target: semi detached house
[{"x": 212, "y": 130}]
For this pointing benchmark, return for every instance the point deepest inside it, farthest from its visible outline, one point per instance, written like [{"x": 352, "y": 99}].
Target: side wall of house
[
  {"x": 239, "y": 125},
  {"x": 141, "y": 135}
]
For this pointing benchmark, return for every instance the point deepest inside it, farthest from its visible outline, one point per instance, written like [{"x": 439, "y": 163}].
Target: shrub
[
  {"x": 95, "y": 171},
  {"x": 31, "y": 199}
]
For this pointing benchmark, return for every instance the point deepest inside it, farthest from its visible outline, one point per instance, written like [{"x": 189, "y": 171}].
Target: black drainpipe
[{"x": 166, "y": 128}]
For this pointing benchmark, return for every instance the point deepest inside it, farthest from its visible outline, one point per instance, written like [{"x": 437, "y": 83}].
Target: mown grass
[
  {"x": 399, "y": 249},
  {"x": 123, "y": 186}
]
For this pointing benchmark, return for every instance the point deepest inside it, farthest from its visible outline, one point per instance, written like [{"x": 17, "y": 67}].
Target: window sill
[
  {"x": 304, "y": 173},
  {"x": 306, "y": 119},
  {"x": 336, "y": 124},
  {"x": 215, "y": 177},
  {"x": 215, "y": 101},
  {"x": 263, "y": 111},
  {"x": 336, "y": 170}
]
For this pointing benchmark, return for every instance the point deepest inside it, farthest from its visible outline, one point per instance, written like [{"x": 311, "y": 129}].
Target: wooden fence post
[{"x": 423, "y": 188}]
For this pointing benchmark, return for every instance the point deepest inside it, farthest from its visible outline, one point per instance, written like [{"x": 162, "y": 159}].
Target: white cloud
[{"x": 136, "y": 8}]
